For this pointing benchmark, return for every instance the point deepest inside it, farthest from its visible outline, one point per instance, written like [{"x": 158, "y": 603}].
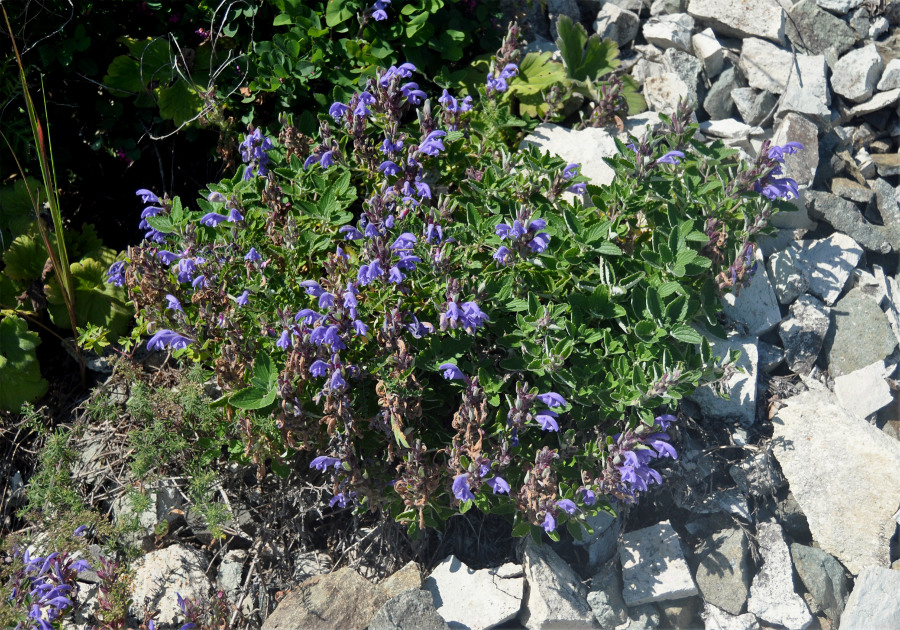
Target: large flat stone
[
  {"x": 161, "y": 575},
  {"x": 653, "y": 566},
  {"x": 772, "y": 596},
  {"x": 766, "y": 66},
  {"x": 741, "y": 386},
  {"x": 860, "y": 334},
  {"x": 824, "y": 578},
  {"x": 474, "y": 600},
  {"x": 827, "y": 264},
  {"x": 410, "y": 610},
  {"x": 835, "y": 464},
  {"x": 803, "y": 333},
  {"x": 864, "y": 391},
  {"x": 605, "y": 597},
  {"x": 737, "y": 18},
  {"x": 855, "y": 74},
  {"x": 815, "y": 30},
  {"x": 846, "y": 218},
  {"x": 717, "y": 619},
  {"x": 556, "y": 597},
  {"x": 723, "y": 572},
  {"x": 807, "y": 91},
  {"x": 873, "y": 602},
  {"x": 756, "y": 305}
]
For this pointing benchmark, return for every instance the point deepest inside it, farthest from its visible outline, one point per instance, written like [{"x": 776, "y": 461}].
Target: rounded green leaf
[
  {"x": 20, "y": 372},
  {"x": 96, "y": 301}
]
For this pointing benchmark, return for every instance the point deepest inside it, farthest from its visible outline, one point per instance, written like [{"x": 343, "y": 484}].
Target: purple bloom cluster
[
  {"x": 521, "y": 239},
  {"x": 498, "y": 84},
  {"x": 166, "y": 337},
  {"x": 378, "y": 10},
  {"x": 778, "y": 188},
  {"x": 467, "y": 316},
  {"x": 463, "y": 483},
  {"x": 148, "y": 197},
  {"x": 254, "y": 153},
  {"x": 631, "y": 454},
  {"x": 116, "y": 273}
]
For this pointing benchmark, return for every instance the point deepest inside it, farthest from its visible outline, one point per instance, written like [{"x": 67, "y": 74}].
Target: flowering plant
[{"x": 447, "y": 324}]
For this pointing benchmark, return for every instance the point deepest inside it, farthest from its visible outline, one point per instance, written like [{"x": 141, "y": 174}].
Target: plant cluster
[{"x": 444, "y": 323}]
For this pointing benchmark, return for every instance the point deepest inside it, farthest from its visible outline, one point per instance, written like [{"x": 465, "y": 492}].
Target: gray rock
[
  {"x": 766, "y": 66},
  {"x": 800, "y": 166},
  {"x": 853, "y": 191},
  {"x": 160, "y": 576},
  {"x": 756, "y": 305},
  {"x": 723, "y": 571},
  {"x": 763, "y": 18},
  {"x": 824, "y": 578},
  {"x": 803, "y": 333},
  {"x": 860, "y": 21},
  {"x": 847, "y": 219},
  {"x": 643, "y": 617},
  {"x": 806, "y": 91},
  {"x": 230, "y": 572},
  {"x": 757, "y": 475},
  {"x": 794, "y": 219},
  {"x": 814, "y": 30},
  {"x": 670, "y": 31},
  {"x": 617, "y": 24},
  {"x": 873, "y": 602},
  {"x": 407, "y": 578},
  {"x": 827, "y": 264},
  {"x": 710, "y": 52},
  {"x": 663, "y": 93},
  {"x": 888, "y": 208},
  {"x": 477, "y": 600},
  {"x": 770, "y": 357},
  {"x": 839, "y": 6},
  {"x": 410, "y": 610},
  {"x": 667, "y": 7},
  {"x": 865, "y": 391},
  {"x": 680, "y": 613},
  {"x": 718, "y": 103},
  {"x": 556, "y": 596},
  {"x": 888, "y": 164},
  {"x": 792, "y": 518},
  {"x": 856, "y": 73},
  {"x": 687, "y": 67},
  {"x": 741, "y": 385},
  {"x": 605, "y": 597},
  {"x": 754, "y": 105},
  {"x": 653, "y": 566},
  {"x": 635, "y": 6},
  {"x": 859, "y": 335},
  {"x": 881, "y": 100},
  {"x": 819, "y": 447},
  {"x": 879, "y": 27},
  {"x": 890, "y": 77},
  {"x": 772, "y": 596},
  {"x": 715, "y": 619},
  {"x": 788, "y": 280},
  {"x": 644, "y": 69},
  {"x": 556, "y": 8},
  {"x": 601, "y": 545}
]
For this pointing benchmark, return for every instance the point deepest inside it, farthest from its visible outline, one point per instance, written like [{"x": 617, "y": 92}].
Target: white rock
[
  {"x": 839, "y": 470},
  {"x": 765, "y": 65},
  {"x": 726, "y": 128},
  {"x": 738, "y": 18},
  {"x": 709, "y": 51},
  {"x": 601, "y": 545},
  {"x": 644, "y": 69},
  {"x": 556, "y": 597},
  {"x": 882, "y": 100},
  {"x": 635, "y": 6},
  {"x": 864, "y": 391},
  {"x": 756, "y": 306},
  {"x": 855, "y": 74},
  {"x": 873, "y": 602},
  {"x": 653, "y": 566},
  {"x": 664, "y": 92},
  {"x": 879, "y": 27},
  {"x": 788, "y": 280},
  {"x": 839, "y": 6},
  {"x": 616, "y": 24},
  {"x": 890, "y": 78},
  {"x": 471, "y": 599},
  {"x": 800, "y": 166},
  {"x": 717, "y": 619},
  {"x": 160, "y": 576},
  {"x": 807, "y": 90},
  {"x": 741, "y": 386},
  {"x": 772, "y": 596},
  {"x": 670, "y": 31},
  {"x": 827, "y": 264}
]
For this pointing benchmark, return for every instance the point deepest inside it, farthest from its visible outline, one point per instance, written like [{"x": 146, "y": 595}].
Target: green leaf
[
  {"x": 20, "y": 372},
  {"x": 465, "y": 506},
  {"x": 96, "y": 301},
  {"x": 161, "y": 223},
  {"x": 123, "y": 77},
  {"x": 264, "y": 372},
  {"x": 521, "y": 529},
  {"x": 179, "y": 102},
  {"x": 25, "y": 258},
  {"x": 645, "y": 330},
  {"x": 252, "y": 398},
  {"x": 575, "y": 529},
  {"x": 686, "y": 334},
  {"x": 16, "y": 208},
  {"x": 537, "y": 73},
  {"x": 571, "y": 41},
  {"x": 572, "y": 222},
  {"x": 281, "y": 19},
  {"x": 338, "y": 11}
]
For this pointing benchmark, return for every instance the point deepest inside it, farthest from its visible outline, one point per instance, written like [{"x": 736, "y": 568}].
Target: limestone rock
[
  {"x": 343, "y": 599},
  {"x": 827, "y": 264},
  {"x": 864, "y": 391},
  {"x": 888, "y": 164},
  {"x": 741, "y": 386},
  {"x": 160, "y": 576},
  {"x": 856, "y": 73},
  {"x": 753, "y": 105},
  {"x": 788, "y": 280},
  {"x": 734, "y": 18},
  {"x": 605, "y": 597},
  {"x": 410, "y": 610},
  {"x": 601, "y": 545},
  {"x": 873, "y": 602},
  {"x": 890, "y": 77},
  {"x": 556, "y": 597},
  {"x": 859, "y": 336},
  {"x": 680, "y": 613},
  {"x": 766, "y": 66},
  {"x": 847, "y": 219},
  {"x": 670, "y": 31},
  {"x": 824, "y": 578},
  {"x": 653, "y": 566},
  {"x": 803, "y": 333},
  {"x": 716, "y": 619},
  {"x": 723, "y": 572},
  {"x": 471, "y": 599},
  {"x": 841, "y": 7},
  {"x": 772, "y": 596},
  {"x": 800, "y": 166},
  {"x": 756, "y": 305},
  {"x": 710, "y": 52},
  {"x": 852, "y": 191},
  {"x": 718, "y": 103},
  {"x": 616, "y": 24},
  {"x": 757, "y": 475},
  {"x": 820, "y": 447},
  {"x": 663, "y": 93},
  {"x": 815, "y": 31},
  {"x": 806, "y": 91},
  {"x": 881, "y": 100},
  {"x": 407, "y": 578},
  {"x": 687, "y": 67}
]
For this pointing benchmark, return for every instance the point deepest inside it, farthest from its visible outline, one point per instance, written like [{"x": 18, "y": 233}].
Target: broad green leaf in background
[
  {"x": 16, "y": 209},
  {"x": 20, "y": 372},
  {"x": 96, "y": 301},
  {"x": 179, "y": 102}
]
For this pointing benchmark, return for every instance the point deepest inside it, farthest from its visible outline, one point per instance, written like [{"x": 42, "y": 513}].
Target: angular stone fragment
[
  {"x": 766, "y": 66},
  {"x": 644, "y": 69},
  {"x": 471, "y": 599},
  {"x": 855, "y": 74},
  {"x": 601, "y": 545},
  {"x": 663, "y": 93},
  {"x": 788, "y": 280},
  {"x": 754, "y": 105},
  {"x": 161, "y": 575},
  {"x": 670, "y": 31},
  {"x": 410, "y": 610},
  {"x": 800, "y": 166},
  {"x": 772, "y": 596},
  {"x": 343, "y": 599},
  {"x": 680, "y": 613},
  {"x": 653, "y": 566},
  {"x": 741, "y": 386},
  {"x": 873, "y": 602},
  {"x": 853, "y": 191},
  {"x": 807, "y": 91},
  {"x": 709, "y": 51},
  {"x": 824, "y": 578},
  {"x": 840, "y": 7},
  {"x": 827, "y": 264},
  {"x": 859, "y": 335},
  {"x": 864, "y": 391},
  {"x": 890, "y": 77},
  {"x": 716, "y": 619},
  {"x": 407, "y": 578},
  {"x": 687, "y": 67},
  {"x": 605, "y": 597},
  {"x": 803, "y": 333},
  {"x": 815, "y": 31},
  {"x": 819, "y": 447},
  {"x": 723, "y": 572},
  {"x": 718, "y": 103},
  {"x": 734, "y": 18},
  {"x": 888, "y": 164},
  {"x": 847, "y": 219},
  {"x": 756, "y": 306},
  {"x": 556, "y": 596},
  {"x": 881, "y": 100},
  {"x": 616, "y": 24}
]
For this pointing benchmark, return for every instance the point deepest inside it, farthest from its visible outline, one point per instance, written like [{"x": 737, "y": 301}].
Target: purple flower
[
  {"x": 509, "y": 71},
  {"x": 567, "y": 505},
  {"x": 253, "y": 255},
  {"x": 665, "y": 420},
  {"x": 200, "y": 281},
  {"x": 80, "y": 530},
  {"x": 432, "y": 144},
  {"x": 448, "y": 102},
  {"x": 244, "y": 298},
  {"x": 388, "y": 168},
  {"x": 785, "y": 188},
  {"x": 466, "y": 104},
  {"x": 312, "y": 159},
  {"x": 578, "y": 189},
  {"x": 337, "y": 111},
  {"x": 498, "y": 485},
  {"x": 391, "y": 147},
  {"x": 412, "y": 93},
  {"x": 547, "y": 420},
  {"x": 549, "y": 523},
  {"x": 326, "y": 300},
  {"x": 341, "y": 500},
  {"x": 174, "y": 304},
  {"x": 475, "y": 317},
  {"x": 166, "y": 337},
  {"x": 570, "y": 171},
  {"x": 404, "y": 241},
  {"x": 312, "y": 288},
  {"x": 495, "y": 85},
  {"x": 234, "y": 216},
  {"x": 378, "y": 10},
  {"x": 368, "y": 273},
  {"x": 552, "y": 399},
  {"x": 337, "y": 382},
  {"x": 333, "y": 339},
  {"x": 408, "y": 262},
  {"x": 452, "y": 372},
  {"x": 461, "y": 488},
  {"x": 308, "y": 316},
  {"x": 350, "y": 233},
  {"x": 588, "y": 496},
  {"x": 361, "y": 329},
  {"x": 660, "y": 441},
  {"x": 284, "y": 340},
  {"x": 502, "y": 255},
  {"x": 327, "y": 159},
  {"x": 150, "y": 211},
  {"x": 216, "y": 197},
  {"x": 323, "y": 461},
  {"x": 147, "y": 196},
  {"x": 539, "y": 242},
  {"x": 672, "y": 157},
  {"x": 186, "y": 269},
  {"x": 395, "y": 275},
  {"x": 318, "y": 368},
  {"x": 167, "y": 257},
  {"x": 433, "y": 230},
  {"x": 116, "y": 274},
  {"x": 212, "y": 219},
  {"x": 777, "y": 153},
  {"x": 422, "y": 189}
]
